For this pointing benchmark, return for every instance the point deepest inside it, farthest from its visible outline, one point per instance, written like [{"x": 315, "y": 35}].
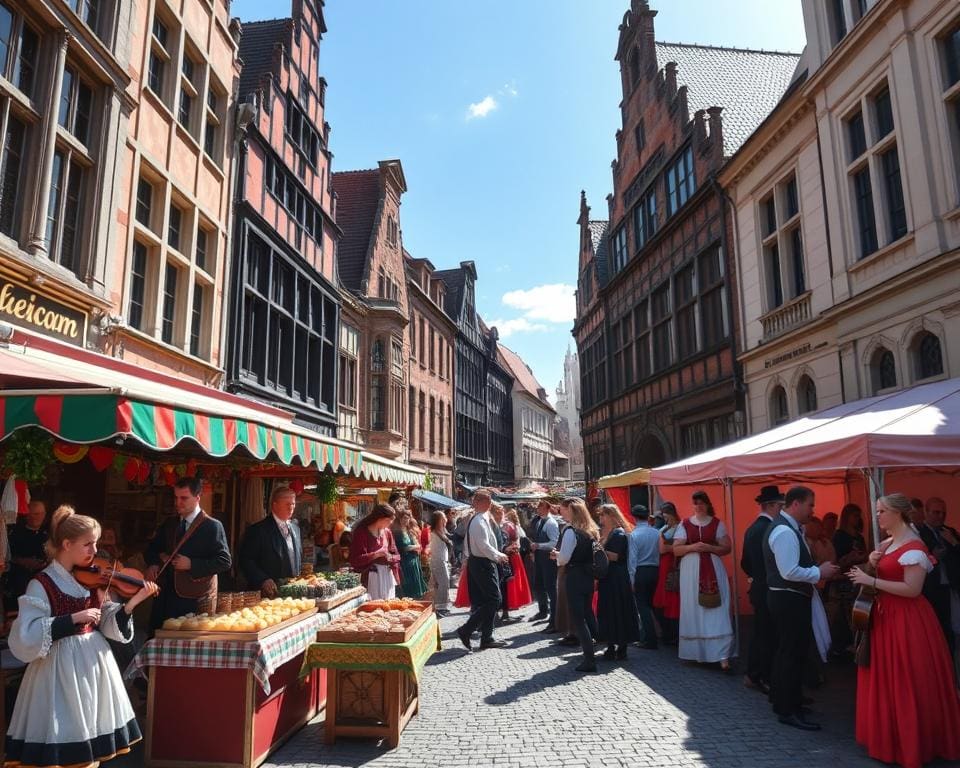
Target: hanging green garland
[
  {"x": 428, "y": 481},
  {"x": 29, "y": 453},
  {"x": 327, "y": 489}
]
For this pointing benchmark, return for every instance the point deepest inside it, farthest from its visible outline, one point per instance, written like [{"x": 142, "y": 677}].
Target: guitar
[{"x": 863, "y": 605}]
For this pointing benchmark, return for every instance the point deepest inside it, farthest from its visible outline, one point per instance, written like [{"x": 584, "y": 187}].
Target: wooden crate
[
  {"x": 329, "y": 635},
  {"x": 237, "y": 637},
  {"x": 328, "y": 603}
]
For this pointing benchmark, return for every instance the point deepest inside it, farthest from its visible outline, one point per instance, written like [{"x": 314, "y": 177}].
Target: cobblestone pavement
[{"x": 524, "y": 707}]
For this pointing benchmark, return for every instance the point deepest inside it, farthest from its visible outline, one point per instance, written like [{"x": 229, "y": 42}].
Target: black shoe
[
  {"x": 610, "y": 653},
  {"x": 493, "y": 644},
  {"x": 797, "y": 722},
  {"x": 757, "y": 685},
  {"x": 510, "y": 619},
  {"x": 549, "y": 630},
  {"x": 539, "y": 616},
  {"x": 465, "y": 639},
  {"x": 586, "y": 666},
  {"x": 568, "y": 640},
  {"x": 442, "y": 612}
]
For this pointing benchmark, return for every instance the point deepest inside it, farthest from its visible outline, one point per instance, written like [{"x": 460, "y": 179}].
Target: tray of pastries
[
  {"x": 378, "y": 621},
  {"x": 243, "y": 625}
]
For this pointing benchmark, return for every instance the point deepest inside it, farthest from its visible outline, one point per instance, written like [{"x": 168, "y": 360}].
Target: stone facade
[
  {"x": 533, "y": 422},
  {"x": 432, "y": 337},
  {"x": 853, "y": 185},
  {"x": 166, "y": 272},
  {"x": 285, "y": 306},
  {"x": 567, "y": 434},
  {"x": 65, "y": 103}
]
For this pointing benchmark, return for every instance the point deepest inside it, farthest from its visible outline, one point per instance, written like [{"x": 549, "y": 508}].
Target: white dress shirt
[
  {"x": 786, "y": 551},
  {"x": 480, "y": 540},
  {"x": 284, "y": 526},
  {"x": 568, "y": 544}
]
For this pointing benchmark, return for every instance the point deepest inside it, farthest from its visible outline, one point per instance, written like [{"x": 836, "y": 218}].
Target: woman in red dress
[
  {"x": 666, "y": 602},
  {"x": 518, "y": 588},
  {"x": 908, "y": 709}
]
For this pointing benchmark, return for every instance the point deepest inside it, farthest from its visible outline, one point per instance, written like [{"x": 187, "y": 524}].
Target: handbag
[
  {"x": 709, "y": 599},
  {"x": 601, "y": 563},
  {"x": 203, "y": 588},
  {"x": 672, "y": 581}
]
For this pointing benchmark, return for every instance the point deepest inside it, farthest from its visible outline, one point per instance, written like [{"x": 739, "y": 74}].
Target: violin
[{"x": 103, "y": 573}]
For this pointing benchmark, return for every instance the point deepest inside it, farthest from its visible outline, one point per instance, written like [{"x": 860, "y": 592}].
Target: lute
[{"x": 863, "y": 605}]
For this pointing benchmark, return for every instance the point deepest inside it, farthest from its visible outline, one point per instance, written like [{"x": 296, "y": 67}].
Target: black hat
[
  {"x": 769, "y": 494},
  {"x": 640, "y": 512}
]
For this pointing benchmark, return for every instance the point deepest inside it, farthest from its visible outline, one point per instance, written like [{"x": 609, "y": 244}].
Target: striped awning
[
  {"x": 92, "y": 416},
  {"x": 384, "y": 470}
]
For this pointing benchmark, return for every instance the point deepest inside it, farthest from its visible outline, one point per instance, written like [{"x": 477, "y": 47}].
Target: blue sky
[{"x": 501, "y": 112}]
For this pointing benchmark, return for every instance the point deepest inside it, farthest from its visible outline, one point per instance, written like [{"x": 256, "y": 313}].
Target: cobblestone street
[{"x": 525, "y": 706}]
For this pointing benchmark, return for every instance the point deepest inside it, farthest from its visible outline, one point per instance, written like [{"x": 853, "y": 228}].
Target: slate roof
[
  {"x": 747, "y": 84},
  {"x": 522, "y": 375},
  {"x": 358, "y": 195},
  {"x": 454, "y": 279},
  {"x": 598, "y": 233},
  {"x": 257, "y": 42}
]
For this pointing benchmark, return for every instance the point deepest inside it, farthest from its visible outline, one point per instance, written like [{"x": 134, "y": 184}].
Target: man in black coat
[
  {"x": 271, "y": 549},
  {"x": 203, "y": 556},
  {"x": 763, "y": 638},
  {"x": 944, "y": 580}
]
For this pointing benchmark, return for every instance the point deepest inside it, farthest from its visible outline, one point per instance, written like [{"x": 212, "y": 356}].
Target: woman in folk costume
[
  {"x": 72, "y": 708},
  {"x": 706, "y": 631},
  {"x": 374, "y": 555},
  {"x": 518, "y": 588}
]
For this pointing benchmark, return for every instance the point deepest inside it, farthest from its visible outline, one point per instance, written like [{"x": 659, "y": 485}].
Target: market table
[
  {"x": 230, "y": 703},
  {"x": 373, "y": 689}
]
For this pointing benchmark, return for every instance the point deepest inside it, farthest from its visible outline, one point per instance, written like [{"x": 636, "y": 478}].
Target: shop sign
[
  {"x": 25, "y": 307},
  {"x": 793, "y": 353}
]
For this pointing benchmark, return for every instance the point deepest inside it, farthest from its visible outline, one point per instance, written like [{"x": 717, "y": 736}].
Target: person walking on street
[
  {"x": 792, "y": 577},
  {"x": 480, "y": 548},
  {"x": 576, "y": 555},
  {"x": 546, "y": 532},
  {"x": 763, "y": 639},
  {"x": 643, "y": 565}
]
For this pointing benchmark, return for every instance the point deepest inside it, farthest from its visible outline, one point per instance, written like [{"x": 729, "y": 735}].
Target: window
[
  {"x": 641, "y": 342},
  {"x": 620, "y": 249},
  {"x": 433, "y": 344},
  {"x": 645, "y": 218},
  {"x": 174, "y": 225},
  {"x": 779, "y": 412},
  {"x": 136, "y": 312},
  {"x": 783, "y": 259},
  {"x": 159, "y": 56},
  {"x": 710, "y": 286},
  {"x": 64, "y": 211},
  {"x": 806, "y": 395},
  {"x": 349, "y": 342},
  {"x": 685, "y": 301},
  {"x": 883, "y": 370},
  {"x": 838, "y": 24},
  {"x": 196, "y": 320},
  {"x": 660, "y": 312},
  {"x": 25, "y": 65},
  {"x": 622, "y": 343},
  {"x": 300, "y": 132},
  {"x": 76, "y": 100},
  {"x": 928, "y": 358},
  {"x": 144, "y": 202},
  {"x": 874, "y": 172},
  {"x": 433, "y": 420},
  {"x": 681, "y": 183},
  {"x": 169, "y": 309},
  {"x": 88, "y": 11},
  {"x": 639, "y": 134},
  {"x": 13, "y": 148},
  {"x": 377, "y": 404},
  {"x": 950, "y": 57},
  {"x": 378, "y": 356},
  {"x": 200, "y": 251},
  {"x": 211, "y": 131}
]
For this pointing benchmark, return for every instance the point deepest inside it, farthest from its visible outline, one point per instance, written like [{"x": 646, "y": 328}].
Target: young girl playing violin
[{"x": 72, "y": 708}]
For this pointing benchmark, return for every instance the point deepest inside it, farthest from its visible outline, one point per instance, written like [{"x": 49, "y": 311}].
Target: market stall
[
  {"x": 250, "y": 678},
  {"x": 373, "y": 659}
]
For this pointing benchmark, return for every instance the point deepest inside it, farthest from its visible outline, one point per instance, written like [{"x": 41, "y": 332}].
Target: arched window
[
  {"x": 927, "y": 357},
  {"x": 806, "y": 395},
  {"x": 779, "y": 412},
  {"x": 883, "y": 370}
]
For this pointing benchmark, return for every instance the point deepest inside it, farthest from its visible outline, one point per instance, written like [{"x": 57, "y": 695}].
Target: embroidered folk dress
[
  {"x": 72, "y": 708},
  {"x": 706, "y": 634}
]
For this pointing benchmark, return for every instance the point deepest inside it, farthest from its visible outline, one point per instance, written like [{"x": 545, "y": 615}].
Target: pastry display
[
  {"x": 266, "y": 613},
  {"x": 379, "y": 616}
]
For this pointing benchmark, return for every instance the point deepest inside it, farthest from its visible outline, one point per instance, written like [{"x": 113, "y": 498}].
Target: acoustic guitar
[{"x": 863, "y": 605}]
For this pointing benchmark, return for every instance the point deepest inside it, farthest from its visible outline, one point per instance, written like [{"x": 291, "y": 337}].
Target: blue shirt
[{"x": 644, "y": 546}]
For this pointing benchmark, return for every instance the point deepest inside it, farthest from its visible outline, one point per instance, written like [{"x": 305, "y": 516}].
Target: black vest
[{"x": 774, "y": 579}]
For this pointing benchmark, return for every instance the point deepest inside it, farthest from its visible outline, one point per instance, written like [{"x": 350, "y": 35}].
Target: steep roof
[
  {"x": 747, "y": 84},
  {"x": 598, "y": 234},
  {"x": 454, "y": 279},
  {"x": 358, "y": 195},
  {"x": 257, "y": 42},
  {"x": 522, "y": 375}
]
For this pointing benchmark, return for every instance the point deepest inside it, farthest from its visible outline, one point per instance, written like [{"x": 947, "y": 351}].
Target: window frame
[{"x": 784, "y": 270}]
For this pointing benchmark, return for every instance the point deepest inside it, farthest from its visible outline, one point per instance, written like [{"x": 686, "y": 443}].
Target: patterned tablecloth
[
  {"x": 409, "y": 657},
  {"x": 262, "y": 657}
]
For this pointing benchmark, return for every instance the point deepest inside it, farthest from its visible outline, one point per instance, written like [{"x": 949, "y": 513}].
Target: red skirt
[
  {"x": 668, "y": 602},
  {"x": 908, "y": 711},
  {"x": 518, "y": 588},
  {"x": 463, "y": 590}
]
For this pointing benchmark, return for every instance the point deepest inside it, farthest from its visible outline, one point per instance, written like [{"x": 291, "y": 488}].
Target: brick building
[
  {"x": 656, "y": 318},
  {"x": 372, "y": 272},
  {"x": 284, "y": 304},
  {"x": 431, "y": 336},
  {"x": 174, "y": 177},
  {"x": 64, "y": 107}
]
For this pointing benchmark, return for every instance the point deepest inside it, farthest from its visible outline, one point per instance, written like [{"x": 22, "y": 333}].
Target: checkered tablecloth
[{"x": 262, "y": 657}]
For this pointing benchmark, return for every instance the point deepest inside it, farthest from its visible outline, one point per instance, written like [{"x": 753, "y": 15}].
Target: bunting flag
[{"x": 93, "y": 418}]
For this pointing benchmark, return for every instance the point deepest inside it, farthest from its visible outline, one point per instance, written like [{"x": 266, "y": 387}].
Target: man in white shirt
[
  {"x": 480, "y": 549},
  {"x": 792, "y": 576},
  {"x": 545, "y": 532}
]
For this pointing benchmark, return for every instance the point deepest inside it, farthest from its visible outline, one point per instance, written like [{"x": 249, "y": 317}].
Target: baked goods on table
[{"x": 266, "y": 613}]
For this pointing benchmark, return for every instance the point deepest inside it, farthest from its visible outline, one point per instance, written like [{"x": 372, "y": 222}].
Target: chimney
[
  {"x": 716, "y": 127},
  {"x": 670, "y": 74}
]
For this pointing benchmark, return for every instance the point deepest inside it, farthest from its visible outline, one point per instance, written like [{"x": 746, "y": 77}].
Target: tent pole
[
  {"x": 728, "y": 493},
  {"x": 875, "y": 485}
]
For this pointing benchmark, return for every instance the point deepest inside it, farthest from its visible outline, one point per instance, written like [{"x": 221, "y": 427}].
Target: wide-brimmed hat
[{"x": 769, "y": 494}]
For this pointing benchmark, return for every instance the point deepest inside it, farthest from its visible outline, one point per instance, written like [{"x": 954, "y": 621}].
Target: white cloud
[
  {"x": 554, "y": 303},
  {"x": 506, "y": 328},
  {"x": 481, "y": 108}
]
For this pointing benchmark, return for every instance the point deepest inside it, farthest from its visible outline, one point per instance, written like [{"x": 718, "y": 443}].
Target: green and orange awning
[{"x": 96, "y": 416}]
